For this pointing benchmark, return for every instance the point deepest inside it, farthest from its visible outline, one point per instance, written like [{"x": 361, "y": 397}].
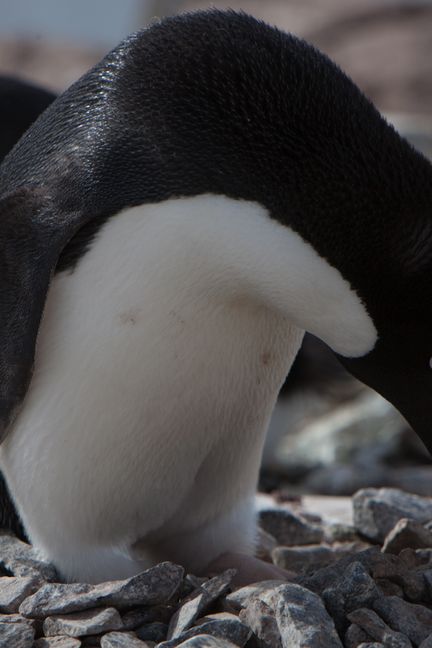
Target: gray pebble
[
  {"x": 80, "y": 624},
  {"x": 57, "y": 642},
  {"x": 16, "y": 635},
  {"x": 415, "y": 621},
  {"x": 310, "y": 558},
  {"x": 21, "y": 559},
  {"x": 199, "y": 602},
  {"x": 230, "y": 629},
  {"x": 16, "y": 618},
  {"x": 140, "y": 616},
  {"x": 303, "y": 620},
  {"x": 260, "y": 618},
  {"x": 156, "y": 631},
  {"x": 375, "y": 627},
  {"x": 206, "y": 641},
  {"x": 14, "y": 589},
  {"x": 376, "y": 511},
  {"x": 288, "y": 528},
  {"x": 355, "y": 636},
  {"x": 427, "y": 643},
  {"x": 407, "y": 533},
  {"x": 354, "y": 589},
  {"x": 122, "y": 640},
  {"x": 240, "y": 598},
  {"x": 152, "y": 587}
]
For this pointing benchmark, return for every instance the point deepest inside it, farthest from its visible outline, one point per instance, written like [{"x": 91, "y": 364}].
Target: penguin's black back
[
  {"x": 220, "y": 102},
  {"x": 20, "y": 104}
]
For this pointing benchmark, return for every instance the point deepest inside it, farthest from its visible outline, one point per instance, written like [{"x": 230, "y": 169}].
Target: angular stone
[
  {"x": 340, "y": 533},
  {"x": 198, "y": 603},
  {"x": 415, "y": 621},
  {"x": 260, "y": 618},
  {"x": 288, "y": 528},
  {"x": 80, "y": 624},
  {"x": 407, "y": 533},
  {"x": 14, "y": 589},
  {"x": 427, "y": 643},
  {"x": 21, "y": 559},
  {"x": 376, "y": 511},
  {"x": 152, "y": 587},
  {"x": 354, "y": 589},
  {"x": 206, "y": 641},
  {"x": 375, "y": 627},
  {"x": 240, "y": 598},
  {"x": 139, "y": 616},
  {"x": 229, "y": 629},
  {"x": 302, "y": 619},
  {"x": 16, "y": 635},
  {"x": 265, "y": 545},
  {"x": 371, "y": 644},
  {"x": 310, "y": 558},
  {"x": 57, "y": 642},
  {"x": 16, "y": 618},
  {"x": 156, "y": 632},
  {"x": 122, "y": 640},
  {"x": 355, "y": 636}
]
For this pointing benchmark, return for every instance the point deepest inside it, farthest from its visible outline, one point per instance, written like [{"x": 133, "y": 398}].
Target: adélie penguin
[{"x": 170, "y": 227}]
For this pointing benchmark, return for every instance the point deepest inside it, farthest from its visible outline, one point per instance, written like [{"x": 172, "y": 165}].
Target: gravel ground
[{"x": 364, "y": 568}]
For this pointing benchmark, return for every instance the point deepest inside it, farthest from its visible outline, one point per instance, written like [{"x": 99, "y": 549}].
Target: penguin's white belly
[{"x": 154, "y": 381}]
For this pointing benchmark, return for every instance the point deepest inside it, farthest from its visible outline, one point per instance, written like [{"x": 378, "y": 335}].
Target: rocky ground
[{"x": 364, "y": 579}]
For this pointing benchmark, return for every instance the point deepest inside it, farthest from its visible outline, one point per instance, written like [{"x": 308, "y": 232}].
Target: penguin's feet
[{"x": 249, "y": 569}]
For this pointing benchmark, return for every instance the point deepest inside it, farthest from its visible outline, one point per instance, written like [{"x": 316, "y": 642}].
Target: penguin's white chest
[
  {"x": 154, "y": 381},
  {"x": 158, "y": 363}
]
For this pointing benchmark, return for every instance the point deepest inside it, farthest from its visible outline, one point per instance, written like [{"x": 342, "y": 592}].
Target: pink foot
[{"x": 249, "y": 569}]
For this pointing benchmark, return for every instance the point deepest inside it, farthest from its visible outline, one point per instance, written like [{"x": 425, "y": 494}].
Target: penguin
[
  {"x": 20, "y": 103},
  {"x": 170, "y": 227}
]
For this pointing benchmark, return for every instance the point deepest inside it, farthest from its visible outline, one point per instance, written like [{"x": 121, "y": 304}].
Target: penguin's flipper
[{"x": 29, "y": 248}]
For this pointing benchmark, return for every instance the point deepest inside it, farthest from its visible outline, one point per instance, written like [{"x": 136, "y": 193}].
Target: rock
[
  {"x": 231, "y": 629},
  {"x": 371, "y": 644},
  {"x": 79, "y": 624},
  {"x": 16, "y": 618},
  {"x": 16, "y": 635},
  {"x": 156, "y": 631},
  {"x": 310, "y": 558},
  {"x": 340, "y": 533},
  {"x": 376, "y": 511},
  {"x": 198, "y": 603},
  {"x": 302, "y": 619},
  {"x": 140, "y": 616},
  {"x": 206, "y": 641},
  {"x": 375, "y": 627},
  {"x": 355, "y": 636},
  {"x": 427, "y": 643},
  {"x": 57, "y": 642},
  {"x": 415, "y": 621},
  {"x": 265, "y": 545},
  {"x": 20, "y": 559},
  {"x": 289, "y": 529},
  {"x": 407, "y": 534},
  {"x": 14, "y": 589},
  {"x": 240, "y": 598},
  {"x": 152, "y": 587},
  {"x": 354, "y": 589},
  {"x": 260, "y": 618},
  {"x": 122, "y": 640}
]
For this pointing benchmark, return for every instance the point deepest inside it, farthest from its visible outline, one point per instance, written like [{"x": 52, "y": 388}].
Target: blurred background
[{"x": 329, "y": 434}]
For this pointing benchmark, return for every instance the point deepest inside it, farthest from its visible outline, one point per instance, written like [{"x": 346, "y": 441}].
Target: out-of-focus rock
[{"x": 377, "y": 511}]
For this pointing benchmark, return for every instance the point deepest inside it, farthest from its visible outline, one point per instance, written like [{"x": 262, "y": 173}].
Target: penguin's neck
[{"x": 231, "y": 251}]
